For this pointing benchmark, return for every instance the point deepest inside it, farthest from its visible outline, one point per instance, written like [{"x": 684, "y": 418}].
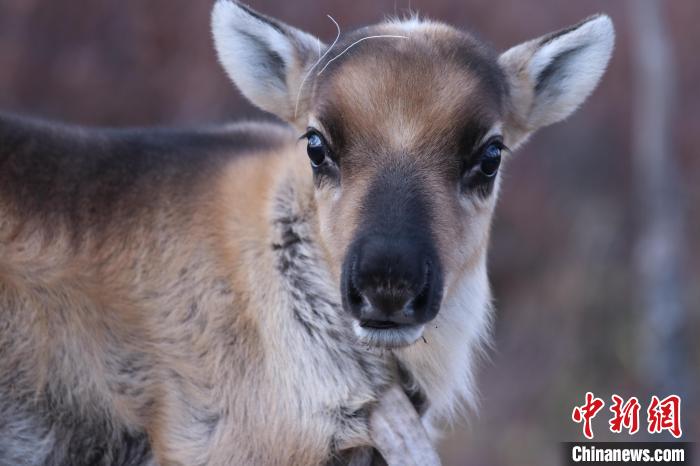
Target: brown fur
[{"x": 142, "y": 310}]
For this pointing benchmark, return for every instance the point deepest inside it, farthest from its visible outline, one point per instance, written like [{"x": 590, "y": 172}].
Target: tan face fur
[{"x": 424, "y": 104}]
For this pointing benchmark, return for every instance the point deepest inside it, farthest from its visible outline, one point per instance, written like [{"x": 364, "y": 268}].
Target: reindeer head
[{"x": 407, "y": 124}]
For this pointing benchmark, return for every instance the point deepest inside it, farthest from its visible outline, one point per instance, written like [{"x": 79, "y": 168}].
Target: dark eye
[
  {"x": 480, "y": 170},
  {"x": 316, "y": 148},
  {"x": 491, "y": 159}
]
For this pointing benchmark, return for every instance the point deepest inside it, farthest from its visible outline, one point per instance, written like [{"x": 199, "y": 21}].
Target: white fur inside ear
[
  {"x": 258, "y": 54},
  {"x": 568, "y": 67},
  {"x": 554, "y": 74}
]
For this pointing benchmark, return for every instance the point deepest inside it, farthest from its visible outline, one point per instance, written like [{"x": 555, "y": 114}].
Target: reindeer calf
[{"x": 234, "y": 296}]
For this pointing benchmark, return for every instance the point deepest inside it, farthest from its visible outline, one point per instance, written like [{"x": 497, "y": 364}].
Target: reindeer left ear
[
  {"x": 265, "y": 58},
  {"x": 551, "y": 76}
]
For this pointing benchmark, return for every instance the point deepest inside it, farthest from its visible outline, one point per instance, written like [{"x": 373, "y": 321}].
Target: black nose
[{"x": 388, "y": 282}]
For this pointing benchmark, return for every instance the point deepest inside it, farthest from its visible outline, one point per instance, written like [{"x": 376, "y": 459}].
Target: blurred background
[{"x": 595, "y": 256}]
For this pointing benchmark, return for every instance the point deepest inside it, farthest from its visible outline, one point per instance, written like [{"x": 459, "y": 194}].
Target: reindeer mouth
[
  {"x": 387, "y": 334},
  {"x": 379, "y": 324}
]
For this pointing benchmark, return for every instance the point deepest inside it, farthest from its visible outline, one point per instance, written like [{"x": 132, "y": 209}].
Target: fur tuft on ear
[
  {"x": 264, "y": 58},
  {"x": 551, "y": 76}
]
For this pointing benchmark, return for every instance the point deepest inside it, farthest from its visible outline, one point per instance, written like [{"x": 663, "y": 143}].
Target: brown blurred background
[{"x": 594, "y": 261}]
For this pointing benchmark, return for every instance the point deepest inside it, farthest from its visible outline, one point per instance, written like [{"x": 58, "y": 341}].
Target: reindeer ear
[
  {"x": 551, "y": 76},
  {"x": 265, "y": 58}
]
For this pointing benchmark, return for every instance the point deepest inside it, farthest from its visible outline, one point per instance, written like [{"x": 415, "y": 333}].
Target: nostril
[
  {"x": 421, "y": 299},
  {"x": 354, "y": 295}
]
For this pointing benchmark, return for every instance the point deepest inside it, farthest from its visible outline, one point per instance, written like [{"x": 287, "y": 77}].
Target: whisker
[
  {"x": 354, "y": 44},
  {"x": 320, "y": 58}
]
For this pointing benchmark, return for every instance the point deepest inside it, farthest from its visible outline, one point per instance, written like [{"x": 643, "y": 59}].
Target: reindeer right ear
[
  {"x": 551, "y": 76},
  {"x": 265, "y": 58}
]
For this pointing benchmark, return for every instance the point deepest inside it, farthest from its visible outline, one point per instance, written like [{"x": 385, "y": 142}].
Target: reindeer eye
[
  {"x": 316, "y": 148},
  {"x": 480, "y": 170},
  {"x": 491, "y": 159}
]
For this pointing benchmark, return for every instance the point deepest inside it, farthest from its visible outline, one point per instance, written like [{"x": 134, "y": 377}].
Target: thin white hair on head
[
  {"x": 320, "y": 58},
  {"x": 354, "y": 44},
  {"x": 406, "y": 16}
]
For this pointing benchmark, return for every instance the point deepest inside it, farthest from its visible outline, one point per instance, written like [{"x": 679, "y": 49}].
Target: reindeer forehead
[{"x": 423, "y": 82}]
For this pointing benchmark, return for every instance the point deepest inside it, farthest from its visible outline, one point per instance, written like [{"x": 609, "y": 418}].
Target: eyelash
[{"x": 476, "y": 157}]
